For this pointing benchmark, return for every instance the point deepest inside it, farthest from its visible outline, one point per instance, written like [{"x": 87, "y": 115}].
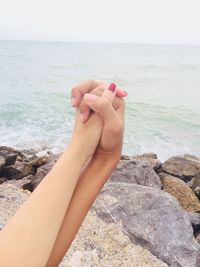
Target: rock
[
  {"x": 182, "y": 166},
  {"x": 124, "y": 157},
  {"x": 97, "y": 243},
  {"x": 39, "y": 161},
  {"x": 11, "y": 198},
  {"x": 182, "y": 192},
  {"x": 135, "y": 171},
  {"x": 105, "y": 244},
  {"x": 152, "y": 218},
  {"x": 198, "y": 240},
  {"x": 2, "y": 163},
  {"x": 196, "y": 185},
  {"x": 20, "y": 182},
  {"x": 193, "y": 157},
  {"x": 18, "y": 170},
  {"x": 190, "y": 183},
  {"x": 37, "y": 178},
  {"x": 10, "y": 154},
  {"x": 9, "y": 157},
  {"x": 2, "y": 179},
  {"x": 195, "y": 221},
  {"x": 151, "y": 158}
]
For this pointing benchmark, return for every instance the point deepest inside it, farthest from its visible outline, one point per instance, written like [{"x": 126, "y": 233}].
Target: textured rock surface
[
  {"x": 182, "y": 192},
  {"x": 195, "y": 221},
  {"x": 3, "y": 179},
  {"x": 97, "y": 243},
  {"x": 196, "y": 185},
  {"x": 154, "y": 219},
  {"x": 11, "y": 198},
  {"x": 11, "y": 154},
  {"x": 20, "y": 182},
  {"x": 37, "y": 178},
  {"x": 151, "y": 158},
  {"x": 182, "y": 166},
  {"x": 2, "y": 163},
  {"x": 135, "y": 171},
  {"x": 39, "y": 161},
  {"x": 18, "y": 170}
]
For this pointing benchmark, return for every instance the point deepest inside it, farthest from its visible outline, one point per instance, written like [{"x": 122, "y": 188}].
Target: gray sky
[{"x": 134, "y": 21}]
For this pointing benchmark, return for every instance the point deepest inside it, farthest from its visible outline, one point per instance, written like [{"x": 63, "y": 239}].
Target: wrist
[
  {"x": 107, "y": 158},
  {"x": 77, "y": 152}
]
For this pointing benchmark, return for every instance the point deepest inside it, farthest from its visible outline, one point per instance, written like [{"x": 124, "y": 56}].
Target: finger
[
  {"x": 110, "y": 92},
  {"x": 100, "y": 90},
  {"x": 85, "y": 111},
  {"x": 81, "y": 89},
  {"x": 120, "y": 109},
  {"x": 121, "y": 93},
  {"x": 104, "y": 108}
]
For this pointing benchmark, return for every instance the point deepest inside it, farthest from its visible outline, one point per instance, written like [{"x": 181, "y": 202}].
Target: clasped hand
[{"x": 99, "y": 120}]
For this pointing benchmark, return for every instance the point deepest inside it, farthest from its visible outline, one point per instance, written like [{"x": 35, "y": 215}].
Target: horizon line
[{"x": 100, "y": 42}]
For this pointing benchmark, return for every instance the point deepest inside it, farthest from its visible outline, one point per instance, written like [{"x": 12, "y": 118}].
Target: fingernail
[
  {"x": 112, "y": 87},
  {"x": 90, "y": 97},
  {"x": 125, "y": 93},
  {"x": 73, "y": 101}
]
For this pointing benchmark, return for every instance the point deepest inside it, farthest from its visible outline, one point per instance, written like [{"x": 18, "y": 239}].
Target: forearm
[
  {"x": 87, "y": 189},
  {"x": 36, "y": 224}
]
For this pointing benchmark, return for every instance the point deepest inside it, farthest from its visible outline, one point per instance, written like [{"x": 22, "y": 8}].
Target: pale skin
[{"x": 48, "y": 221}]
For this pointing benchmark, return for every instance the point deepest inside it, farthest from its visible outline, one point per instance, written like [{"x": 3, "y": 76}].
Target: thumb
[
  {"x": 103, "y": 107},
  {"x": 102, "y": 104}
]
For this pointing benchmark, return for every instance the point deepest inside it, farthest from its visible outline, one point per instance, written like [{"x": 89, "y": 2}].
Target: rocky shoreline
[{"x": 147, "y": 214}]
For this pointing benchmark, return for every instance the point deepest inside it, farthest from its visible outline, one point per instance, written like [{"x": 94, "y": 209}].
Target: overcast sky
[{"x": 129, "y": 21}]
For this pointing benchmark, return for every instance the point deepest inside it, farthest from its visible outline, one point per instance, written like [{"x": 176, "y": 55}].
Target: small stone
[
  {"x": 124, "y": 157},
  {"x": 39, "y": 161}
]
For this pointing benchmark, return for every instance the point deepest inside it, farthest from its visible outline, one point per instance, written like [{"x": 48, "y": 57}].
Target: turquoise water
[{"x": 163, "y": 83}]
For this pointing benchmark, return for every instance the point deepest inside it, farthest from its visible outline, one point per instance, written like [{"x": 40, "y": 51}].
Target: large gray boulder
[
  {"x": 137, "y": 172},
  {"x": 96, "y": 244},
  {"x": 152, "y": 218}
]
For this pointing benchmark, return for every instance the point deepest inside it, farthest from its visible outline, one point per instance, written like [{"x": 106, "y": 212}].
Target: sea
[{"x": 162, "y": 107}]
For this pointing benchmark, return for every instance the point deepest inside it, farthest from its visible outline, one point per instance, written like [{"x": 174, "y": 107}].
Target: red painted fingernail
[{"x": 112, "y": 87}]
